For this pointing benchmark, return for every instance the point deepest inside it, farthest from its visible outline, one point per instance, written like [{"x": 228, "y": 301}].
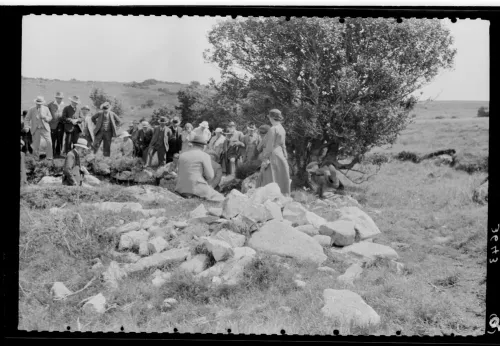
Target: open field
[{"x": 441, "y": 291}]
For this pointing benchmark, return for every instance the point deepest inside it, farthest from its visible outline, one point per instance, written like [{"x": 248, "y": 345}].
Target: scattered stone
[
  {"x": 274, "y": 209},
  {"x": 232, "y": 238},
  {"x": 271, "y": 192},
  {"x": 159, "y": 244},
  {"x": 442, "y": 240},
  {"x": 118, "y": 206},
  {"x": 132, "y": 239},
  {"x": 348, "y": 308},
  {"x": 313, "y": 219},
  {"x": 98, "y": 267},
  {"x": 196, "y": 229},
  {"x": 220, "y": 249},
  {"x": 240, "y": 252},
  {"x": 146, "y": 224},
  {"x": 341, "y": 232},
  {"x": 351, "y": 274},
  {"x": 363, "y": 224},
  {"x": 327, "y": 270},
  {"x": 120, "y": 222},
  {"x": 113, "y": 275},
  {"x": 396, "y": 267},
  {"x": 208, "y": 219},
  {"x": 195, "y": 265},
  {"x": 59, "y": 291},
  {"x": 144, "y": 249},
  {"x": 235, "y": 268},
  {"x": 215, "y": 211},
  {"x": 50, "y": 181},
  {"x": 323, "y": 240},
  {"x": 160, "y": 259},
  {"x": 215, "y": 270},
  {"x": 308, "y": 229},
  {"x": 160, "y": 278},
  {"x": 180, "y": 224},
  {"x": 129, "y": 227},
  {"x": 169, "y": 303},
  {"x": 96, "y": 304},
  {"x": 370, "y": 251},
  {"x": 300, "y": 283},
  {"x": 275, "y": 237},
  {"x": 91, "y": 180},
  {"x": 295, "y": 213},
  {"x": 200, "y": 211}
]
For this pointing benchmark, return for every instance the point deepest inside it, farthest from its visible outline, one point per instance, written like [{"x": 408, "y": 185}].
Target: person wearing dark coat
[
  {"x": 56, "y": 125},
  {"x": 73, "y": 123},
  {"x": 159, "y": 142},
  {"x": 73, "y": 172},
  {"x": 107, "y": 124},
  {"x": 175, "y": 141},
  {"x": 144, "y": 137},
  {"x": 26, "y": 136},
  {"x": 24, "y": 180}
]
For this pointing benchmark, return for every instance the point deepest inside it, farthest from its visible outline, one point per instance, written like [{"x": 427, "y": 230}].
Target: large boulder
[
  {"x": 159, "y": 259},
  {"x": 363, "y": 224},
  {"x": 295, "y": 213},
  {"x": 237, "y": 203},
  {"x": 480, "y": 195},
  {"x": 232, "y": 238},
  {"x": 276, "y": 237},
  {"x": 249, "y": 182},
  {"x": 341, "y": 232},
  {"x": 273, "y": 209},
  {"x": 313, "y": 219},
  {"x": 220, "y": 249},
  {"x": 348, "y": 308},
  {"x": 158, "y": 243},
  {"x": 368, "y": 251},
  {"x": 270, "y": 192}
]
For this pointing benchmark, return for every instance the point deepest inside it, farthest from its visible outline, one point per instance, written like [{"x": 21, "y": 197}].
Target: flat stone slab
[
  {"x": 348, "y": 308},
  {"x": 159, "y": 259},
  {"x": 370, "y": 251}
]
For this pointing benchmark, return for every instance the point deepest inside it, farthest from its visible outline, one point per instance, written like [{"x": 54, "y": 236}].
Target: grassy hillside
[{"x": 131, "y": 97}]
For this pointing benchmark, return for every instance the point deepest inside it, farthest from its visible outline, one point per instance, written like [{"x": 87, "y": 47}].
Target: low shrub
[
  {"x": 408, "y": 156},
  {"x": 483, "y": 112},
  {"x": 470, "y": 163},
  {"x": 376, "y": 159},
  {"x": 263, "y": 273}
]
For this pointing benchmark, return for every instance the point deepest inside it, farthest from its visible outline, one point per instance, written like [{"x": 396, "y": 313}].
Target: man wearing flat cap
[
  {"x": 159, "y": 143},
  {"x": 37, "y": 121},
  {"x": 106, "y": 126},
  {"x": 175, "y": 140},
  {"x": 195, "y": 171},
  {"x": 72, "y": 119},
  {"x": 56, "y": 125}
]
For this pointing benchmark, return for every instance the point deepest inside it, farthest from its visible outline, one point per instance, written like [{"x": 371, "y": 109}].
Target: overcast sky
[{"x": 135, "y": 48}]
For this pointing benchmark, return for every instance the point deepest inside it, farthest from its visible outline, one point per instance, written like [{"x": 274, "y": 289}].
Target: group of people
[{"x": 198, "y": 157}]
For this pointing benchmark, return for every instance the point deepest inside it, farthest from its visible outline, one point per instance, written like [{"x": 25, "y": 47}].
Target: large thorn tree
[{"x": 343, "y": 88}]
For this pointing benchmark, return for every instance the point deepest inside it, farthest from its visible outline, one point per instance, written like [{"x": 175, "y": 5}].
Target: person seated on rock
[
  {"x": 194, "y": 171},
  {"x": 72, "y": 171},
  {"x": 24, "y": 180},
  {"x": 127, "y": 146}
]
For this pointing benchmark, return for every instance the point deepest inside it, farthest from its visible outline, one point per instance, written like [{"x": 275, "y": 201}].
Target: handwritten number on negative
[{"x": 494, "y": 249}]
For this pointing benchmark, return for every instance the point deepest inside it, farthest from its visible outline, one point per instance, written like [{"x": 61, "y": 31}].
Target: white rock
[
  {"x": 148, "y": 223},
  {"x": 96, "y": 304},
  {"x": 274, "y": 209},
  {"x": 160, "y": 278},
  {"x": 158, "y": 243},
  {"x": 119, "y": 206},
  {"x": 240, "y": 252},
  {"x": 275, "y": 237},
  {"x": 215, "y": 211},
  {"x": 341, "y": 232},
  {"x": 295, "y": 213},
  {"x": 323, "y": 240},
  {"x": 144, "y": 248},
  {"x": 233, "y": 239},
  {"x": 160, "y": 259},
  {"x": 129, "y": 227},
  {"x": 59, "y": 291},
  {"x": 308, "y": 229},
  {"x": 442, "y": 240},
  {"x": 348, "y": 307},
  {"x": 180, "y": 224},
  {"x": 220, "y": 249},
  {"x": 50, "y": 180},
  {"x": 133, "y": 239},
  {"x": 271, "y": 192},
  {"x": 169, "y": 303},
  {"x": 234, "y": 270},
  {"x": 370, "y": 251},
  {"x": 300, "y": 283},
  {"x": 351, "y": 274},
  {"x": 313, "y": 219},
  {"x": 215, "y": 270},
  {"x": 200, "y": 211},
  {"x": 216, "y": 280},
  {"x": 113, "y": 274},
  {"x": 195, "y": 265},
  {"x": 327, "y": 270},
  {"x": 91, "y": 180},
  {"x": 363, "y": 224}
]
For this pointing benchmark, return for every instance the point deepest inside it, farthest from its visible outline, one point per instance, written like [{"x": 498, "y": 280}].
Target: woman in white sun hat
[{"x": 203, "y": 131}]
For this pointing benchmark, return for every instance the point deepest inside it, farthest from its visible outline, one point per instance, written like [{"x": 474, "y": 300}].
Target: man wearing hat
[
  {"x": 24, "y": 181},
  {"x": 159, "y": 143},
  {"x": 56, "y": 126},
  {"x": 214, "y": 148},
  {"x": 133, "y": 130},
  {"x": 251, "y": 141},
  {"x": 194, "y": 171},
  {"x": 26, "y": 135},
  {"x": 73, "y": 172},
  {"x": 175, "y": 141},
  {"x": 127, "y": 146},
  {"x": 88, "y": 126},
  {"x": 106, "y": 123},
  {"x": 144, "y": 137},
  {"x": 72, "y": 120},
  {"x": 37, "y": 121},
  {"x": 233, "y": 149},
  {"x": 202, "y": 130}
]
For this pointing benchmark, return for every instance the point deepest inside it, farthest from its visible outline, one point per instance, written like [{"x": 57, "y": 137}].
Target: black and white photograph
[{"x": 263, "y": 175}]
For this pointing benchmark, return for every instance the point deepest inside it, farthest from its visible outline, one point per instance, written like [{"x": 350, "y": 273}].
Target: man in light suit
[
  {"x": 107, "y": 124},
  {"x": 159, "y": 142},
  {"x": 72, "y": 120},
  {"x": 37, "y": 121},
  {"x": 195, "y": 171}
]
